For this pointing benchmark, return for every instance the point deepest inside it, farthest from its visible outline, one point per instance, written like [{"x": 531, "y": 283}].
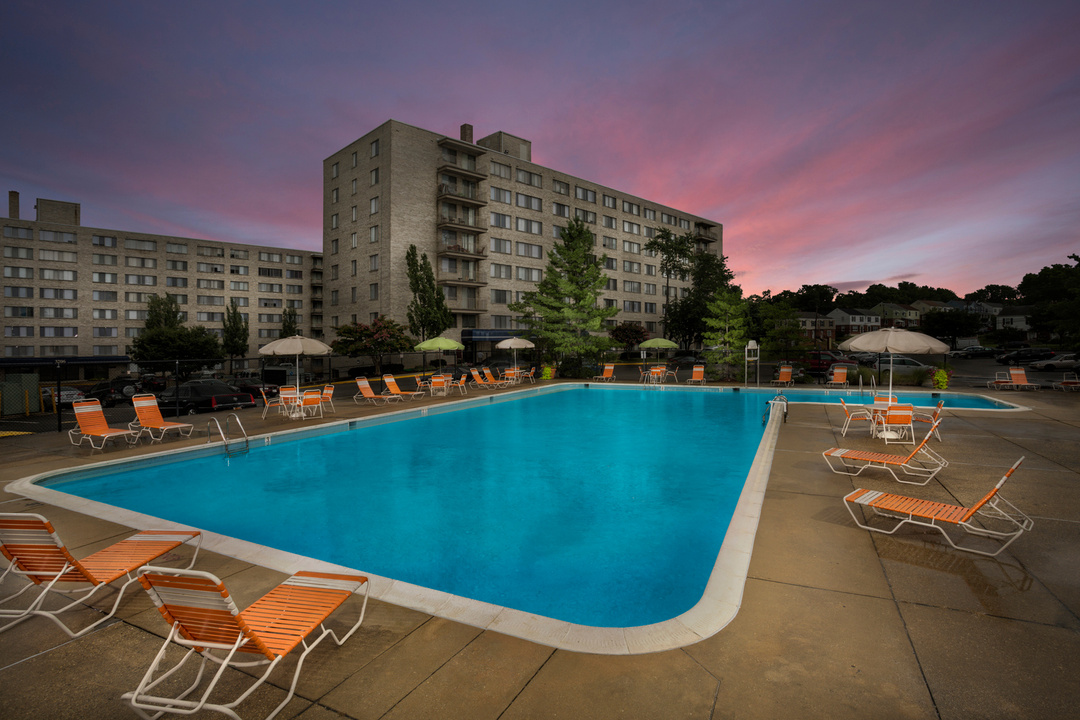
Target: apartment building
[
  {"x": 486, "y": 216},
  {"x": 77, "y": 293}
]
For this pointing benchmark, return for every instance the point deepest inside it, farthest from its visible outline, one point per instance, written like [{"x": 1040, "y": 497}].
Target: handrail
[{"x": 225, "y": 434}]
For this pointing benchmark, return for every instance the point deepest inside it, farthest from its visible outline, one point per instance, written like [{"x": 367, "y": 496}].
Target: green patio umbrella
[
  {"x": 438, "y": 344},
  {"x": 658, "y": 343}
]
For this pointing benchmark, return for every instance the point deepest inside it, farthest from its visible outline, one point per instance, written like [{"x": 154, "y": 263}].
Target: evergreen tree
[
  {"x": 235, "y": 332},
  {"x": 289, "y": 326},
  {"x": 428, "y": 313},
  {"x": 728, "y": 321},
  {"x": 565, "y": 308}
]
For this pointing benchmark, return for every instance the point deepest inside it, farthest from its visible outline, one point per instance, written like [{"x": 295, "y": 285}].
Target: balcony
[
  {"x": 706, "y": 233},
  {"x": 465, "y": 195},
  {"x": 466, "y": 278},
  {"x": 462, "y": 224},
  {"x": 465, "y": 251},
  {"x": 467, "y": 306}
]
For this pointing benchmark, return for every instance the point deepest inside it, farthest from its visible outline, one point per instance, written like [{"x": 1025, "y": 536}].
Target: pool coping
[{"x": 718, "y": 605}]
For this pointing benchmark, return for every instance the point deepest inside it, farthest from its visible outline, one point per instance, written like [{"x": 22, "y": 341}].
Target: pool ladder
[{"x": 229, "y": 450}]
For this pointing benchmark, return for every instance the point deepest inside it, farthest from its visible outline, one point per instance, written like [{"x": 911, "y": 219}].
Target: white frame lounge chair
[
  {"x": 91, "y": 423},
  {"x": 993, "y": 509},
  {"x": 148, "y": 419},
  {"x": 922, "y": 463},
  {"x": 204, "y": 619},
  {"x": 366, "y": 392},
  {"x": 34, "y": 550},
  {"x": 1068, "y": 382}
]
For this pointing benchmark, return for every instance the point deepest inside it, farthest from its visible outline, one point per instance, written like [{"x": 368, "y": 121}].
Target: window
[
  {"x": 333, "y": 297},
  {"x": 235, "y": 254},
  {"x": 49, "y": 274},
  {"x": 560, "y": 187},
  {"x": 609, "y": 222},
  {"x": 631, "y": 227},
  {"x": 271, "y": 272},
  {"x": 631, "y": 286},
  {"x": 104, "y": 277},
  {"x": 374, "y": 148},
  {"x": 294, "y": 289},
  {"x": 294, "y": 274},
  {"x": 529, "y": 178},
  {"x": 19, "y": 312},
  {"x": 18, "y": 292},
  {"x": 333, "y": 221},
  {"x": 373, "y": 234},
  {"x": 104, "y": 313},
  {"x": 59, "y": 350},
  {"x": 500, "y": 297},
  {"x": 373, "y": 291},
  {"x": 238, "y": 269},
  {"x": 239, "y": 301},
  {"x": 669, "y": 219},
  {"x": 19, "y": 331},
  {"x": 650, "y": 269},
  {"x": 139, "y": 262},
  {"x": 140, "y": 279},
  {"x": 500, "y": 195},
  {"x": 611, "y": 264},
  {"x": 269, "y": 287},
  {"x": 374, "y": 176},
  {"x": 238, "y": 285},
  {"x": 210, "y": 299},
  {"x": 498, "y": 245},
  {"x": 333, "y": 272},
  {"x": 530, "y": 250},
  {"x": 334, "y": 170},
  {"x": 58, "y": 294},
  {"x": 103, "y": 241},
  {"x": 105, "y": 295},
  {"x": 210, "y": 316},
  {"x": 58, "y": 256},
  {"x": 138, "y": 297},
  {"x": 21, "y": 233},
  {"x": 210, "y": 267},
  {"x": 684, "y": 224},
  {"x": 560, "y": 209},
  {"x": 631, "y": 247},
  {"x": 59, "y": 313},
  {"x": 56, "y": 236},
  {"x": 269, "y": 317},
  {"x": 633, "y": 306},
  {"x": 500, "y": 220},
  {"x": 610, "y": 243},
  {"x": 100, "y": 332},
  {"x": 178, "y": 248},
  {"x": 53, "y": 331},
  {"x": 374, "y": 204},
  {"x": 585, "y": 194},
  {"x": 499, "y": 169},
  {"x": 632, "y": 208},
  {"x": 650, "y": 214},
  {"x": 334, "y": 195},
  {"x": 529, "y": 202},
  {"x": 650, "y": 288},
  {"x": 631, "y": 267},
  {"x": 650, "y": 307},
  {"x": 14, "y": 271},
  {"x": 180, "y": 265},
  {"x": 504, "y": 272},
  {"x": 585, "y": 215},
  {"x": 529, "y": 274},
  {"x": 176, "y": 282},
  {"x": 269, "y": 257},
  {"x": 530, "y": 226},
  {"x": 294, "y": 260},
  {"x": 609, "y": 202},
  {"x": 295, "y": 305},
  {"x": 19, "y": 253},
  {"x": 210, "y": 284}
]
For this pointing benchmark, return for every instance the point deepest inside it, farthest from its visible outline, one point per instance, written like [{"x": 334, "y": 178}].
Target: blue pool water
[{"x": 598, "y": 507}]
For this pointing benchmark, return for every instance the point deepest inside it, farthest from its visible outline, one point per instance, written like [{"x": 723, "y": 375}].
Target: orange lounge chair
[
  {"x": 857, "y": 414},
  {"x": 368, "y": 394},
  {"x": 993, "y": 510},
  {"x": 894, "y": 424},
  {"x": 393, "y": 389},
  {"x": 783, "y": 376},
  {"x": 1002, "y": 381},
  {"x": 92, "y": 424},
  {"x": 328, "y": 397},
  {"x": 608, "y": 374},
  {"x": 35, "y": 551},
  {"x": 839, "y": 378},
  {"x": 922, "y": 463},
  {"x": 492, "y": 380},
  {"x": 478, "y": 379},
  {"x": 1020, "y": 381},
  {"x": 148, "y": 419},
  {"x": 698, "y": 375},
  {"x": 205, "y": 620},
  {"x": 1068, "y": 382}
]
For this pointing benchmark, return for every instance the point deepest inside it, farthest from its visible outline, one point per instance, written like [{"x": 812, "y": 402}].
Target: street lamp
[{"x": 752, "y": 352}]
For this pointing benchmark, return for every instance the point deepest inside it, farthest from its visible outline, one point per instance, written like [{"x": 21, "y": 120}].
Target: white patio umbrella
[
  {"x": 515, "y": 343},
  {"x": 296, "y": 345},
  {"x": 895, "y": 340}
]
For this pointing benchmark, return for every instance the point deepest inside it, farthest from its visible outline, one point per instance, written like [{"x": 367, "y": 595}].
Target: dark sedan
[
  {"x": 197, "y": 396},
  {"x": 253, "y": 386}
]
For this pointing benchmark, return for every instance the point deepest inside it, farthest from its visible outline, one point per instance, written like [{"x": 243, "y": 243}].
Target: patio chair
[
  {"x": 783, "y": 376},
  {"x": 34, "y": 550},
  {"x": 438, "y": 385},
  {"x": 1002, "y": 381},
  {"x": 923, "y": 463},
  {"x": 204, "y": 619},
  {"x": 492, "y": 380},
  {"x": 530, "y": 376},
  {"x": 932, "y": 417},
  {"x": 858, "y": 414},
  {"x": 92, "y": 424},
  {"x": 1068, "y": 382},
  {"x": 698, "y": 375},
  {"x": 459, "y": 385},
  {"x": 839, "y": 378},
  {"x": 1020, "y": 380},
  {"x": 271, "y": 402},
  {"x": 478, "y": 379},
  {"x": 290, "y": 398},
  {"x": 148, "y": 419},
  {"x": 392, "y": 388},
  {"x": 1000, "y": 520},
  {"x": 895, "y": 424},
  {"x": 368, "y": 394},
  {"x": 311, "y": 403},
  {"x": 328, "y": 397},
  {"x": 608, "y": 374}
]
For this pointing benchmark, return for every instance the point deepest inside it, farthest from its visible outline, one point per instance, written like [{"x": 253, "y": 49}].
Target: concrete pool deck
[{"x": 835, "y": 621}]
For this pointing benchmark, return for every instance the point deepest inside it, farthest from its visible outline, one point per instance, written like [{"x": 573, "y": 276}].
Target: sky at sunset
[{"x": 839, "y": 142}]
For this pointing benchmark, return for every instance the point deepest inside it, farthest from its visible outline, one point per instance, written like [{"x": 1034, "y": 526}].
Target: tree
[
  {"x": 1054, "y": 293},
  {"x": 684, "y": 319},
  {"x": 781, "y": 337},
  {"x": 676, "y": 255},
  {"x": 628, "y": 334},
  {"x": 166, "y": 338},
  {"x": 815, "y": 298},
  {"x": 950, "y": 325},
  {"x": 382, "y": 337},
  {"x": 235, "y": 332},
  {"x": 565, "y": 308},
  {"x": 728, "y": 322},
  {"x": 1000, "y": 294},
  {"x": 162, "y": 313},
  {"x": 428, "y": 313},
  {"x": 289, "y": 326}
]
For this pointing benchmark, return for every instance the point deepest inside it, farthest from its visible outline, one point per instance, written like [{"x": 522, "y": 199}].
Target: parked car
[
  {"x": 899, "y": 363},
  {"x": 116, "y": 391},
  {"x": 253, "y": 386},
  {"x": 852, "y": 371},
  {"x": 68, "y": 395},
  {"x": 1066, "y": 361},
  {"x": 818, "y": 362},
  {"x": 864, "y": 358},
  {"x": 977, "y": 351},
  {"x": 195, "y": 396},
  {"x": 1025, "y": 355}
]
